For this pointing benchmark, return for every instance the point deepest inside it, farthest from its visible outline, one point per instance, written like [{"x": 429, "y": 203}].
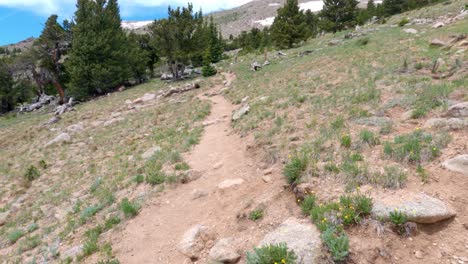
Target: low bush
[
  {"x": 271, "y": 254},
  {"x": 308, "y": 204},
  {"x": 155, "y": 177},
  {"x": 294, "y": 169},
  {"x": 32, "y": 173},
  {"x": 345, "y": 140},
  {"x": 129, "y": 209},
  {"x": 256, "y": 214},
  {"x": 403, "y": 22},
  {"x": 369, "y": 137},
  {"x": 15, "y": 236},
  {"x": 337, "y": 243}
]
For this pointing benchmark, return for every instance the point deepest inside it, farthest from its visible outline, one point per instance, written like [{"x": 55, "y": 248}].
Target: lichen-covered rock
[
  {"x": 447, "y": 123},
  {"x": 225, "y": 251},
  {"x": 194, "y": 241},
  {"x": 60, "y": 139},
  {"x": 457, "y": 164},
  {"x": 300, "y": 236},
  {"x": 458, "y": 110},
  {"x": 420, "y": 208},
  {"x": 239, "y": 113}
]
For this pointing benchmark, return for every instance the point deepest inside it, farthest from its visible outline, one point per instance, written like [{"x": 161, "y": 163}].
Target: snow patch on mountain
[
  {"x": 266, "y": 22},
  {"x": 135, "y": 24},
  {"x": 313, "y": 6}
]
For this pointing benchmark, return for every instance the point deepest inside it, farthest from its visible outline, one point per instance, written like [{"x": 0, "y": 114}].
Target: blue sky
[{"x": 21, "y": 19}]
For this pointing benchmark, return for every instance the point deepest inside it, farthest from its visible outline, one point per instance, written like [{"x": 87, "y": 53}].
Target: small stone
[
  {"x": 150, "y": 152},
  {"x": 438, "y": 25},
  {"x": 457, "y": 164},
  {"x": 268, "y": 172},
  {"x": 196, "y": 194},
  {"x": 225, "y": 251},
  {"x": 227, "y": 184},
  {"x": 239, "y": 113},
  {"x": 75, "y": 128},
  {"x": 148, "y": 97},
  {"x": 438, "y": 43},
  {"x": 418, "y": 254},
  {"x": 410, "y": 31},
  {"x": 60, "y": 139},
  {"x": 218, "y": 166},
  {"x": 194, "y": 241},
  {"x": 4, "y": 217},
  {"x": 266, "y": 179}
]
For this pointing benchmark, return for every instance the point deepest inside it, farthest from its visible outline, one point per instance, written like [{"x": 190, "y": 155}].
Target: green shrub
[
  {"x": 369, "y": 137},
  {"x": 418, "y": 66},
  {"x": 111, "y": 222},
  {"x": 362, "y": 41},
  {"x": 294, "y": 169},
  {"x": 419, "y": 112},
  {"x": 140, "y": 178},
  {"x": 28, "y": 243},
  {"x": 337, "y": 243},
  {"x": 271, "y": 254},
  {"x": 43, "y": 164},
  {"x": 15, "y": 236},
  {"x": 129, "y": 208},
  {"x": 208, "y": 70},
  {"x": 392, "y": 178},
  {"x": 256, "y": 214},
  {"x": 32, "y": 173},
  {"x": 308, "y": 204},
  {"x": 346, "y": 140},
  {"x": 338, "y": 123},
  {"x": 398, "y": 217},
  {"x": 89, "y": 212},
  {"x": 423, "y": 174},
  {"x": 155, "y": 177},
  {"x": 182, "y": 166},
  {"x": 414, "y": 147},
  {"x": 403, "y": 22},
  {"x": 331, "y": 167},
  {"x": 363, "y": 204}
]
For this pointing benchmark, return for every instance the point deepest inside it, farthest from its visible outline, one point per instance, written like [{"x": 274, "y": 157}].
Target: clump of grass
[
  {"x": 362, "y": 41},
  {"x": 111, "y": 222},
  {"x": 28, "y": 243},
  {"x": 31, "y": 174},
  {"x": 338, "y": 123},
  {"x": 337, "y": 243},
  {"x": 89, "y": 212},
  {"x": 418, "y": 66},
  {"x": 414, "y": 147},
  {"x": 256, "y": 214},
  {"x": 155, "y": 177},
  {"x": 140, "y": 178},
  {"x": 129, "y": 209},
  {"x": 293, "y": 171},
  {"x": 345, "y": 140},
  {"x": 422, "y": 174},
  {"x": 308, "y": 204},
  {"x": 43, "y": 164},
  {"x": 392, "y": 178},
  {"x": 32, "y": 227},
  {"x": 403, "y": 22},
  {"x": 270, "y": 254},
  {"x": 332, "y": 167},
  {"x": 15, "y": 235},
  {"x": 399, "y": 219},
  {"x": 369, "y": 137},
  {"x": 182, "y": 166}
]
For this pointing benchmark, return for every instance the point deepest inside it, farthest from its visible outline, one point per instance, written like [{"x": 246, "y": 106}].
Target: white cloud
[{"x": 67, "y": 7}]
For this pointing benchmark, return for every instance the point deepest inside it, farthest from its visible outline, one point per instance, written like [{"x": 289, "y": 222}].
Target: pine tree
[
  {"x": 371, "y": 8},
  {"x": 6, "y": 89},
  {"x": 312, "y": 23},
  {"x": 137, "y": 58},
  {"x": 289, "y": 27},
  {"x": 338, "y": 14},
  {"x": 208, "y": 69},
  {"x": 392, "y": 7},
  {"x": 98, "y": 61}
]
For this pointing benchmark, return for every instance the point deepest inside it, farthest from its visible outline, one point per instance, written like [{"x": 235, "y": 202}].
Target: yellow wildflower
[{"x": 283, "y": 261}]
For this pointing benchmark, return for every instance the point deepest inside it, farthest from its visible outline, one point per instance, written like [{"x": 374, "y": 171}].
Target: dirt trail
[{"x": 152, "y": 237}]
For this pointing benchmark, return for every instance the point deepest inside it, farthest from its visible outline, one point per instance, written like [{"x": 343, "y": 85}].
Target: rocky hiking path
[{"x": 212, "y": 209}]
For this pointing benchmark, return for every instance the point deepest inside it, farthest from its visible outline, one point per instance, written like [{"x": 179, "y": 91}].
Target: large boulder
[
  {"x": 457, "y": 164},
  {"x": 60, "y": 139},
  {"x": 225, "y": 251},
  {"x": 420, "y": 208},
  {"x": 239, "y": 113},
  {"x": 300, "y": 236},
  {"x": 194, "y": 241},
  {"x": 458, "y": 110}
]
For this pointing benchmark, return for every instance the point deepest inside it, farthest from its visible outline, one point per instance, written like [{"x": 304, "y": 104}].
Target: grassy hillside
[{"x": 339, "y": 108}]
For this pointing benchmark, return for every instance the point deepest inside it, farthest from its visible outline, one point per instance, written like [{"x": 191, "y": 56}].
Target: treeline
[
  {"x": 92, "y": 55},
  {"x": 292, "y": 25}
]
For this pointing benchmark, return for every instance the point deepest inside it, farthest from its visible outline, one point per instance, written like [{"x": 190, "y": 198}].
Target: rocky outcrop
[
  {"x": 195, "y": 241},
  {"x": 457, "y": 164},
  {"x": 300, "y": 236},
  {"x": 239, "y": 113},
  {"x": 420, "y": 208},
  {"x": 458, "y": 110},
  {"x": 60, "y": 139},
  {"x": 230, "y": 183},
  {"x": 447, "y": 123},
  {"x": 225, "y": 251}
]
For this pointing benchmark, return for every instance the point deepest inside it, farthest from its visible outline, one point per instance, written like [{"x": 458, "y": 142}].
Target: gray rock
[
  {"x": 148, "y": 97},
  {"x": 373, "y": 121},
  {"x": 438, "y": 25},
  {"x": 239, "y": 113},
  {"x": 197, "y": 194},
  {"x": 302, "y": 237},
  {"x": 334, "y": 42},
  {"x": 457, "y": 164},
  {"x": 60, "y": 139},
  {"x": 75, "y": 128},
  {"x": 448, "y": 123},
  {"x": 150, "y": 152},
  {"x": 4, "y": 217},
  {"x": 420, "y": 208},
  {"x": 410, "y": 31},
  {"x": 113, "y": 121},
  {"x": 225, "y": 251},
  {"x": 438, "y": 43},
  {"x": 72, "y": 252},
  {"x": 458, "y": 110},
  {"x": 227, "y": 184},
  {"x": 194, "y": 241}
]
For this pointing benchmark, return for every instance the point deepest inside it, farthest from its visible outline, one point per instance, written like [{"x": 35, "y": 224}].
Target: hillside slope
[{"x": 368, "y": 111}]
